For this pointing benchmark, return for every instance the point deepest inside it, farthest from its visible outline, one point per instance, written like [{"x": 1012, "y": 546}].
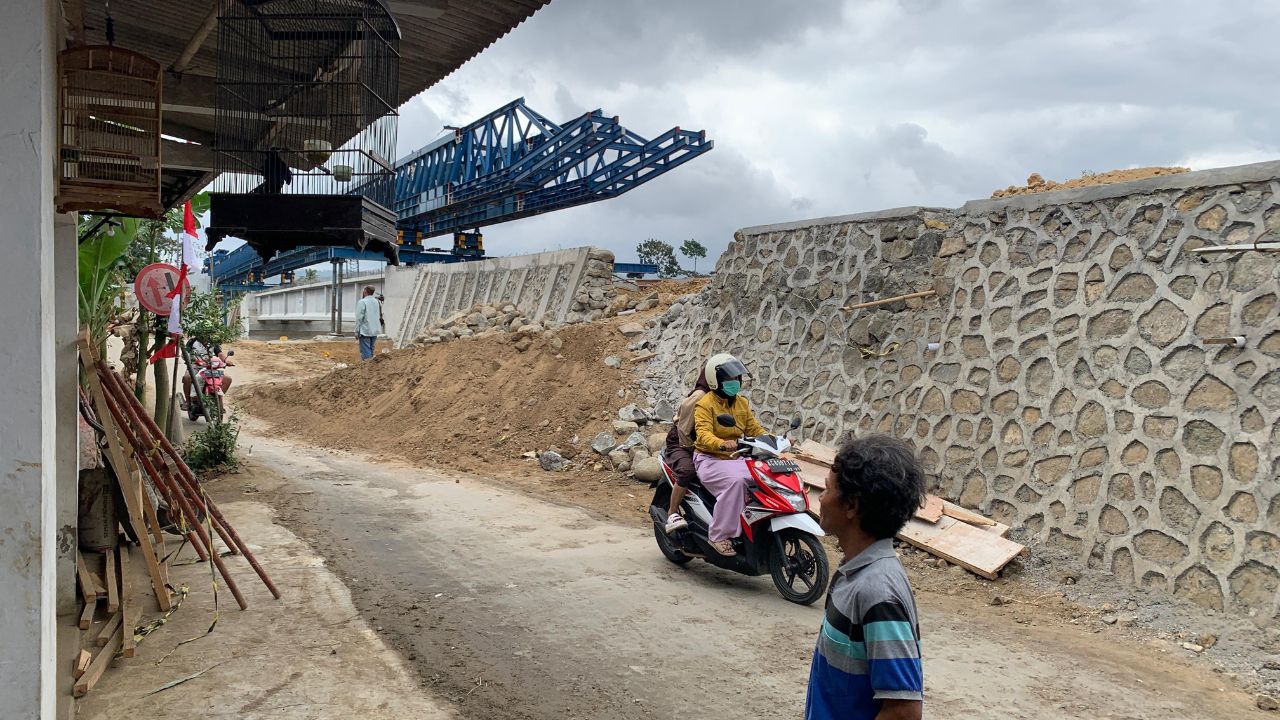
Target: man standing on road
[
  {"x": 867, "y": 663},
  {"x": 368, "y": 322}
]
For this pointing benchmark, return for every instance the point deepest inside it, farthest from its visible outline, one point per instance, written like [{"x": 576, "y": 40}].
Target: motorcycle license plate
[
  {"x": 215, "y": 373},
  {"x": 782, "y": 466}
]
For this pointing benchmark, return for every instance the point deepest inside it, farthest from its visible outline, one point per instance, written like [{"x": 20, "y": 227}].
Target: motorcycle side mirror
[
  {"x": 726, "y": 420},
  {"x": 795, "y": 423},
  {"x": 233, "y": 352}
]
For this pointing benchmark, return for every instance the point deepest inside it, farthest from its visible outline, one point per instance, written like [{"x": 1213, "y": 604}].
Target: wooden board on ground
[
  {"x": 981, "y": 552},
  {"x": 98, "y": 665},
  {"x": 110, "y": 626},
  {"x": 88, "y": 590},
  {"x": 812, "y": 474},
  {"x": 816, "y": 452},
  {"x": 931, "y": 510},
  {"x": 86, "y": 615},
  {"x": 82, "y": 663}
]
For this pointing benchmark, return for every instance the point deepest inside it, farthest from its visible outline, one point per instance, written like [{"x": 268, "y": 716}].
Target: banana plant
[{"x": 101, "y": 276}]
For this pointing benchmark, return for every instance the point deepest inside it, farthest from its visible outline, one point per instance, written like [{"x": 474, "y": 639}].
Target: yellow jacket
[{"x": 709, "y": 433}]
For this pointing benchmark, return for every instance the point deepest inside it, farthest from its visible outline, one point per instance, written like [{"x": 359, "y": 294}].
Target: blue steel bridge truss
[{"x": 512, "y": 163}]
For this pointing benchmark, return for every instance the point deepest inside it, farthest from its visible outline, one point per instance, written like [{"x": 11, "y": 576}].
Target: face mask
[{"x": 731, "y": 387}]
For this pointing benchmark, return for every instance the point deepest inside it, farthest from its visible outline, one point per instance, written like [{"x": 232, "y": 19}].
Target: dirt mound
[
  {"x": 1037, "y": 184},
  {"x": 471, "y": 403}
]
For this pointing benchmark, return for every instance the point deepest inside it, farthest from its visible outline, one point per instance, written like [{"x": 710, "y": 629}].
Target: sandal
[{"x": 724, "y": 547}]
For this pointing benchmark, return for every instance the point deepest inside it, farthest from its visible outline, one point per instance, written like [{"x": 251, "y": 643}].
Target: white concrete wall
[
  {"x": 304, "y": 308},
  {"x": 32, "y": 331}
]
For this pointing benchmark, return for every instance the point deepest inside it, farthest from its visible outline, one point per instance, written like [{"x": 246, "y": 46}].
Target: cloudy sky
[{"x": 825, "y": 107}]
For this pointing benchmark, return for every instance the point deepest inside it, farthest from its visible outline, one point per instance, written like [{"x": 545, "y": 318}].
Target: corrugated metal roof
[{"x": 430, "y": 49}]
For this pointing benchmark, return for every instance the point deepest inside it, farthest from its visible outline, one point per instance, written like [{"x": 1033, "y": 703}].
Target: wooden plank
[
  {"x": 982, "y": 553},
  {"x": 812, "y": 474},
  {"x": 965, "y": 514},
  {"x": 886, "y": 301},
  {"x": 951, "y": 509},
  {"x": 108, "y": 629},
  {"x": 98, "y": 665},
  {"x": 86, "y": 615},
  {"x": 931, "y": 510},
  {"x": 972, "y": 549},
  {"x": 113, "y": 586},
  {"x": 128, "y": 610},
  {"x": 816, "y": 453},
  {"x": 81, "y": 663},
  {"x": 117, "y": 455},
  {"x": 88, "y": 590}
]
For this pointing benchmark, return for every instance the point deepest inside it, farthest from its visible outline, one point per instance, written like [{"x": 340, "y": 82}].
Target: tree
[
  {"x": 693, "y": 250},
  {"x": 310, "y": 275},
  {"x": 656, "y": 252}
]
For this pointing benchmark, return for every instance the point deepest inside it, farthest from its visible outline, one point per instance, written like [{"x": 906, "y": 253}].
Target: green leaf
[{"x": 103, "y": 250}]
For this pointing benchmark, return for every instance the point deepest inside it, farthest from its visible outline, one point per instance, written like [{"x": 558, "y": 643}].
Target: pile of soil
[
  {"x": 473, "y": 403},
  {"x": 1037, "y": 184}
]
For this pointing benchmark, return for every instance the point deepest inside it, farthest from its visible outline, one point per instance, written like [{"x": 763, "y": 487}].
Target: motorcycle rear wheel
[
  {"x": 667, "y": 547},
  {"x": 798, "y": 558}
]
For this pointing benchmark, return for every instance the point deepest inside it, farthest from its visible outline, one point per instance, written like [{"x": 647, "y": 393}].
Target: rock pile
[
  {"x": 481, "y": 321},
  {"x": 637, "y": 437}
]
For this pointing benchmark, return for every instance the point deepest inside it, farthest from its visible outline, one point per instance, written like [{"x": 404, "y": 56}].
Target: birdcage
[
  {"x": 109, "y": 136},
  {"x": 306, "y": 125}
]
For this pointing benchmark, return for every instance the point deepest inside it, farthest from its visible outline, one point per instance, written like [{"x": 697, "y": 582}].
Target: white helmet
[{"x": 721, "y": 367}]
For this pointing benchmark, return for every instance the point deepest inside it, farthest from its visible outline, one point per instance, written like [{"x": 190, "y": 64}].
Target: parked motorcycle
[
  {"x": 208, "y": 372},
  {"x": 779, "y": 533}
]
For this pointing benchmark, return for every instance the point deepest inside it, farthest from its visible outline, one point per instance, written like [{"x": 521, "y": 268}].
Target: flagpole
[{"x": 173, "y": 386}]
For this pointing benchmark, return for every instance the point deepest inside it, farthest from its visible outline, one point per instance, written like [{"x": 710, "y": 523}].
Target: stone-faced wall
[{"x": 1072, "y": 395}]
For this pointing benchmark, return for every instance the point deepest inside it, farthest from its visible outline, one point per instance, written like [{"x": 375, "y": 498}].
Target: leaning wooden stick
[{"x": 886, "y": 301}]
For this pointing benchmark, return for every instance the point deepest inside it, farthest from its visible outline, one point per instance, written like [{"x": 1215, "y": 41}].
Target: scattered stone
[
  {"x": 657, "y": 441},
  {"x": 620, "y": 460},
  {"x": 1193, "y": 647},
  {"x": 552, "y": 461},
  {"x": 633, "y": 413},
  {"x": 635, "y": 439},
  {"x": 647, "y": 469},
  {"x": 997, "y": 600},
  {"x": 613, "y": 361},
  {"x": 624, "y": 427},
  {"x": 1206, "y": 640},
  {"x": 1267, "y": 702},
  {"x": 602, "y": 443},
  {"x": 631, "y": 329}
]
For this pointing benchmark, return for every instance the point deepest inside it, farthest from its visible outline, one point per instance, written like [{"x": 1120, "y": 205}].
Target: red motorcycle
[
  {"x": 779, "y": 533},
  {"x": 208, "y": 372}
]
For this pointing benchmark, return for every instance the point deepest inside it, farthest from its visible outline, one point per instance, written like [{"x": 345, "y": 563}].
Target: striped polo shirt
[{"x": 869, "y": 647}]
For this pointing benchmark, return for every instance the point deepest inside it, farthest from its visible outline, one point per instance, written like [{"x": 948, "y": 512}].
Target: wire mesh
[{"x": 305, "y": 98}]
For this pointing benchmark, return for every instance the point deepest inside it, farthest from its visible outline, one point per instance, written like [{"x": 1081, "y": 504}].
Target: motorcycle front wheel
[{"x": 799, "y": 566}]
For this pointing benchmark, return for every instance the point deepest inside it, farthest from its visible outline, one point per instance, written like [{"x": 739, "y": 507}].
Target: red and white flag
[{"x": 188, "y": 263}]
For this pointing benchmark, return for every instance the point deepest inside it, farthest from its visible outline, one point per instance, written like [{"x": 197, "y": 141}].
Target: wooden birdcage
[
  {"x": 109, "y": 143},
  {"x": 306, "y": 125}
]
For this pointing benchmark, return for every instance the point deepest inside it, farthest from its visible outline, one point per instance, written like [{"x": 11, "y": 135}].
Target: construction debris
[
  {"x": 147, "y": 470},
  {"x": 941, "y": 528}
]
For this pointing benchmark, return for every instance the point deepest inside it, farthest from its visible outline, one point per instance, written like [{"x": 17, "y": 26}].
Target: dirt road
[{"x": 510, "y": 606}]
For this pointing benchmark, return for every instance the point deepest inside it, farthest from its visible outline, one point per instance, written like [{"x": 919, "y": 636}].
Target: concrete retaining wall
[
  {"x": 1072, "y": 395},
  {"x": 561, "y": 286}
]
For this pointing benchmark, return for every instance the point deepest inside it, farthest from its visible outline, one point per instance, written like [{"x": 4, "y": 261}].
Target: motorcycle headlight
[{"x": 796, "y": 499}]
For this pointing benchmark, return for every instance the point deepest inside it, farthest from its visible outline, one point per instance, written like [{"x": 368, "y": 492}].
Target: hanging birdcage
[
  {"x": 306, "y": 125},
  {"x": 109, "y": 136}
]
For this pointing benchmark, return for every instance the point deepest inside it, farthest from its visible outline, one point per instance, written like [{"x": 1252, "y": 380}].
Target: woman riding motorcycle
[{"x": 721, "y": 474}]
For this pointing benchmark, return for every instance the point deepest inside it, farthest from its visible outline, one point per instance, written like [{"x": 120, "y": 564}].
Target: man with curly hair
[{"x": 867, "y": 662}]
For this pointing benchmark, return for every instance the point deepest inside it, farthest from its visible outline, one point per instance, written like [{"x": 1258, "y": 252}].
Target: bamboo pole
[
  {"x": 184, "y": 506},
  {"x": 886, "y": 301},
  {"x": 193, "y": 486}
]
